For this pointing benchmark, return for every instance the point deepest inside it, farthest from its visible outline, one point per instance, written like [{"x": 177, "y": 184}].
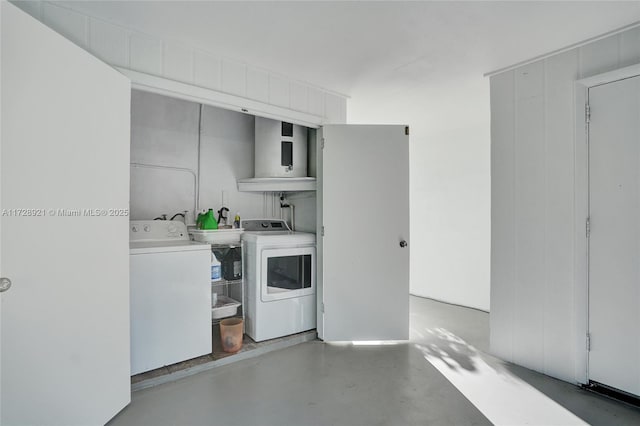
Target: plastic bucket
[{"x": 231, "y": 334}]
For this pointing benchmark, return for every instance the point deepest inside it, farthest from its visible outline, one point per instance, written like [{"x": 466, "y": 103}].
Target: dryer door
[{"x": 287, "y": 273}]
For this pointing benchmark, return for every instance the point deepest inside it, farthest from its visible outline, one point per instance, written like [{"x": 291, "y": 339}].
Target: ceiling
[
  {"x": 348, "y": 46},
  {"x": 419, "y": 63}
]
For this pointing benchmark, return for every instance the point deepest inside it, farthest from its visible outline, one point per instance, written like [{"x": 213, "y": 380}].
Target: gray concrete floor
[{"x": 323, "y": 384}]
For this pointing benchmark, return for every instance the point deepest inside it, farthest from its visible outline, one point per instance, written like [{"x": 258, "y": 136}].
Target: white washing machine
[
  {"x": 170, "y": 289},
  {"x": 280, "y": 274}
]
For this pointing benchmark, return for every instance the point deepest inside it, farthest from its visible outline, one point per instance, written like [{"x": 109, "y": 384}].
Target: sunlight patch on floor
[{"x": 502, "y": 397}]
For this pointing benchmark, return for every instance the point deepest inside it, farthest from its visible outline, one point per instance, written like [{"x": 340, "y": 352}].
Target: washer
[
  {"x": 280, "y": 272},
  {"x": 170, "y": 290}
]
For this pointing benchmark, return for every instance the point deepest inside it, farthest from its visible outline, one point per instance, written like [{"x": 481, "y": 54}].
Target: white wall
[
  {"x": 176, "y": 60},
  {"x": 449, "y": 185},
  {"x": 164, "y": 134},
  {"x": 534, "y": 302},
  {"x": 227, "y": 154}
]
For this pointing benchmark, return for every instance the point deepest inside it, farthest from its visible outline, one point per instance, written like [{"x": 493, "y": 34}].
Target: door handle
[
  {"x": 403, "y": 243},
  {"x": 5, "y": 284}
]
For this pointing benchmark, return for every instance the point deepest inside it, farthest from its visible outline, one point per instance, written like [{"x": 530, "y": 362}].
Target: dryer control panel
[{"x": 265, "y": 225}]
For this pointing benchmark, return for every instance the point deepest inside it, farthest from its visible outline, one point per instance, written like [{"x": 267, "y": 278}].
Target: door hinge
[
  {"x": 588, "y": 342},
  {"x": 322, "y": 231},
  {"x": 322, "y": 143},
  {"x": 322, "y": 307},
  {"x": 587, "y": 113},
  {"x": 406, "y": 130},
  {"x": 588, "y": 227}
]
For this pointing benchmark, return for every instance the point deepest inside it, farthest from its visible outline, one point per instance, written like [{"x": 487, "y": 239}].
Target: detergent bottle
[
  {"x": 216, "y": 268},
  {"x": 209, "y": 221},
  {"x": 232, "y": 264},
  {"x": 199, "y": 220}
]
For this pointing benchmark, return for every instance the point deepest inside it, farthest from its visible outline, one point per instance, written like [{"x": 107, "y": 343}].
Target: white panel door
[
  {"x": 614, "y": 244},
  {"x": 3, "y": 289},
  {"x": 65, "y": 148},
  {"x": 365, "y": 214}
]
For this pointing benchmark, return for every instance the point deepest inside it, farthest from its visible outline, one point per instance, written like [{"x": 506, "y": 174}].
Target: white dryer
[{"x": 280, "y": 274}]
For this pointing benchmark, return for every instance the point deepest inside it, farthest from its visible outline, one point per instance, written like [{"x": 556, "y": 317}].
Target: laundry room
[
  {"x": 319, "y": 212},
  {"x": 190, "y": 161}
]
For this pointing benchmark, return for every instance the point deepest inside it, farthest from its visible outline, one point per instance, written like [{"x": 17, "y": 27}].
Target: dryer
[{"x": 280, "y": 274}]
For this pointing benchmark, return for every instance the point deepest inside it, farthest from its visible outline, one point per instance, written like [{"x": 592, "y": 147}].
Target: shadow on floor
[
  {"x": 454, "y": 352},
  {"x": 592, "y": 408}
]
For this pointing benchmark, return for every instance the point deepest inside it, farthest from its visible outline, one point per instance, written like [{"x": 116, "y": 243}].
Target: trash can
[{"x": 231, "y": 334}]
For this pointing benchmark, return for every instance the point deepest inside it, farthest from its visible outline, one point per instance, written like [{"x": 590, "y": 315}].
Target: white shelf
[
  {"x": 277, "y": 184},
  {"x": 225, "y": 308},
  {"x": 222, "y": 282}
]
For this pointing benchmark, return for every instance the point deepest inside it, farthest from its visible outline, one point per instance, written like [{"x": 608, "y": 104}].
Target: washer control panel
[{"x": 157, "y": 230}]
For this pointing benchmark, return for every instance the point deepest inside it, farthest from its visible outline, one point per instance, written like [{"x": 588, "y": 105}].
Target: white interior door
[
  {"x": 65, "y": 148},
  {"x": 614, "y": 244},
  {"x": 4, "y": 289},
  {"x": 364, "y": 186}
]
